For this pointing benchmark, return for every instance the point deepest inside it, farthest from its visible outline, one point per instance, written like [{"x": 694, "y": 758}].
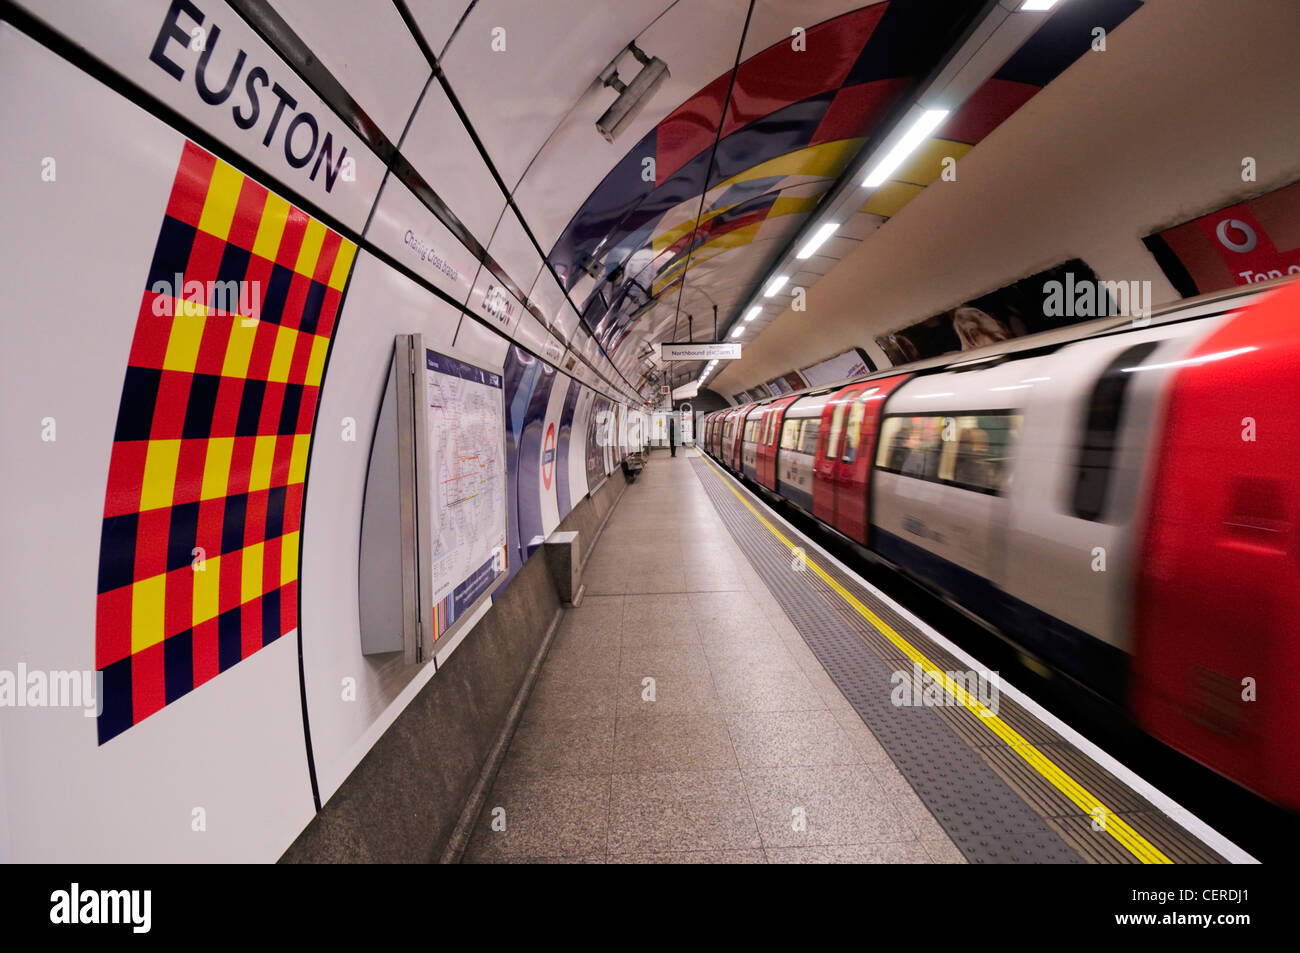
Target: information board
[
  {"x": 464, "y": 428},
  {"x": 701, "y": 351}
]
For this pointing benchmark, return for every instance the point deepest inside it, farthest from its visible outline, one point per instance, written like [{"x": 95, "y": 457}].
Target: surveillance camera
[{"x": 631, "y": 98}]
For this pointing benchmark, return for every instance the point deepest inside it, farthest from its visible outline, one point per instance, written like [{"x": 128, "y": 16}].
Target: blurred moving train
[{"x": 1123, "y": 505}]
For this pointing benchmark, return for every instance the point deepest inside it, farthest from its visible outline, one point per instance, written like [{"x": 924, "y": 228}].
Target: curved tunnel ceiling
[
  {"x": 697, "y": 208},
  {"x": 736, "y": 170},
  {"x": 768, "y": 107}
]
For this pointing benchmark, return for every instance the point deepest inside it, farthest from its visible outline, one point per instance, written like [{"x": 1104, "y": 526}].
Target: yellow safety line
[{"x": 1111, "y": 823}]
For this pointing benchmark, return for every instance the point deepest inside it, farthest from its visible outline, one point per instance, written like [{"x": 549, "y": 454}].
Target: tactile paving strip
[{"x": 994, "y": 806}]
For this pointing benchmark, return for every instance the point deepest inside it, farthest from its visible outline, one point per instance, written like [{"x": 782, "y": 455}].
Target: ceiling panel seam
[{"x": 268, "y": 24}]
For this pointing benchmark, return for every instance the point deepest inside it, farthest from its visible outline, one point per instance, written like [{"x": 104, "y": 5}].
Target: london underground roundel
[{"x": 548, "y": 456}]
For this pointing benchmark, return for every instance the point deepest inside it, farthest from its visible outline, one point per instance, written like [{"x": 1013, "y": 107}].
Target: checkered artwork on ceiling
[{"x": 198, "y": 565}]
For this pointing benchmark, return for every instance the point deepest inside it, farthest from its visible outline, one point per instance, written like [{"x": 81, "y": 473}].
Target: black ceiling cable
[{"x": 708, "y": 171}]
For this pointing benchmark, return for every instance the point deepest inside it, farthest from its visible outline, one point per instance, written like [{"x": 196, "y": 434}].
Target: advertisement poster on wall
[
  {"x": 778, "y": 386},
  {"x": 852, "y": 363},
  {"x": 1241, "y": 244},
  {"x": 794, "y": 380},
  {"x": 597, "y": 425},
  {"x": 1040, "y": 302}
]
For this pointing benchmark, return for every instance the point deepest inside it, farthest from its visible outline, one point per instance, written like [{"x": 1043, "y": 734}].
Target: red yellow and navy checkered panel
[{"x": 198, "y": 563}]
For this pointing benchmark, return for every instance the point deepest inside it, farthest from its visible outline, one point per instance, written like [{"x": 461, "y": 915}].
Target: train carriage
[
  {"x": 798, "y": 448},
  {"x": 1116, "y": 499}
]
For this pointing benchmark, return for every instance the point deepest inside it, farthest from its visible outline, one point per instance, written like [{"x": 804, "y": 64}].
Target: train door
[
  {"x": 769, "y": 442},
  {"x": 749, "y": 442},
  {"x": 846, "y": 500},
  {"x": 732, "y": 423},
  {"x": 729, "y": 437},
  {"x": 851, "y": 470},
  {"x": 738, "y": 442},
  {"x": 830, "y": 445},
  {"x": 760, "y": 442}
]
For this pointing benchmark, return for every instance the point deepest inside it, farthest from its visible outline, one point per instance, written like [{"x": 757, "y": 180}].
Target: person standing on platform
[{"x": 672, "y": 434}]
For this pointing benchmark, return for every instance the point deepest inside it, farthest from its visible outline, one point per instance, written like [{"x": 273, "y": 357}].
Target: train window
[
  {"x": 808, "y": 436},
  {"x": 972, "y": 452},
  {"x": 1095, "y": 462},
  {"x": 837, "y": 426},
  {"x": 977, "y": 453},
  {"x": 911, "y": 446},
  {"x": 790, "y": 435},
  {"x": 854, "y": 434}
]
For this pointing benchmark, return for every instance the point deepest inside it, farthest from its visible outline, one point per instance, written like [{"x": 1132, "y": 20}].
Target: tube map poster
[{"x": 467, "y": 481}]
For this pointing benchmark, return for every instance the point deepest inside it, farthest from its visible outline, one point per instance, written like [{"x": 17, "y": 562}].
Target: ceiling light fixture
[
  {"x": 1037, "y": 6},
  {"x": 754, "y": 312},
  {"x": 925, "y": 124},
  {"x": 631, "y": 96},
  {"x": 738, "y": 330},
  {"x": 776, "y": 285},
  {"x": 810, "y": 247}
]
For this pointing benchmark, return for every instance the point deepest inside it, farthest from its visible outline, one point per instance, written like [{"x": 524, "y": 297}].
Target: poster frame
[{"x": 413, "y": 421}]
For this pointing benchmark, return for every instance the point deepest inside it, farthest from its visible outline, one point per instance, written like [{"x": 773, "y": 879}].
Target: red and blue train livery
[{"x": 1123, "y": 505}]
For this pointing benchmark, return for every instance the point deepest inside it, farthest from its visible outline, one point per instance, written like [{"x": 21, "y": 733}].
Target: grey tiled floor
[{"x": 748, "y": 753}]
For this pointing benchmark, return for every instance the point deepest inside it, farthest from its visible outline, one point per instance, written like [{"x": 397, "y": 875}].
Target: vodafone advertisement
[{"x": 1242, "y": 244}]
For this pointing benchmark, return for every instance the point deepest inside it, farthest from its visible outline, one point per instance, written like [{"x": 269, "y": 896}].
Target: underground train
[{"x": 1123, "y": 505}]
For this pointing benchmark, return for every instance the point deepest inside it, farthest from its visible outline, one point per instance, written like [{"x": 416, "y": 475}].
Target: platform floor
[{"x": 748, "y": 752}]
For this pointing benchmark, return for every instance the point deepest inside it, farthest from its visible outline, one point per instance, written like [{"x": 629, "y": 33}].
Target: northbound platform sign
[{"x": 705, "y": 351}]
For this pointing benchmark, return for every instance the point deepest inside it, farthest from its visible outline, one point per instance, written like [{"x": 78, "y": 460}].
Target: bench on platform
[{"x": 633, "y": 464}]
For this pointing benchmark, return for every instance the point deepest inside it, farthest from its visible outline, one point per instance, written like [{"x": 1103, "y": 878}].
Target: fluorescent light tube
[
  {"x": 810, "y": 247},
  {"x": 924, "y": 125},
  {"x": 776, "y": 285}
]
